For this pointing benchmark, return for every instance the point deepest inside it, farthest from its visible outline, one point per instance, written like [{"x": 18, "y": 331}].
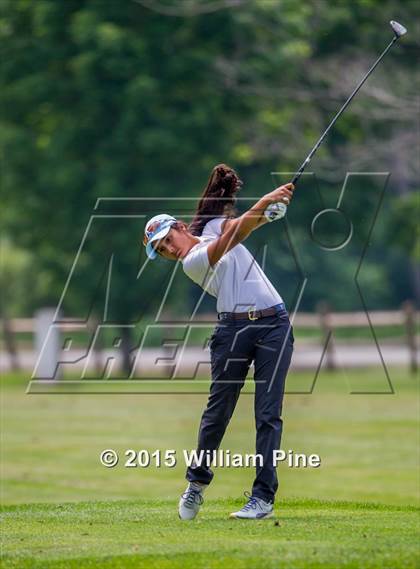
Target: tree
[{"x": 100, "y": 101}]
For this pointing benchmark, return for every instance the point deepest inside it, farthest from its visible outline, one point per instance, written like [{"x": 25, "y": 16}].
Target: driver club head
[{"x": 399, "y": 30}]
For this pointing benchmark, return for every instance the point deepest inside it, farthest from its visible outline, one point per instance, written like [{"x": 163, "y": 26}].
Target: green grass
[
  {"x": 63, "y": 509},
  {"x": 137, "y": 534}
]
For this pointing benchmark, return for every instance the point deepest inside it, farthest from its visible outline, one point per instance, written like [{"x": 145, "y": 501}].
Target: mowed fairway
[
  {"x": 62, "y": 508},
  {"x": 142, "y": 533}
]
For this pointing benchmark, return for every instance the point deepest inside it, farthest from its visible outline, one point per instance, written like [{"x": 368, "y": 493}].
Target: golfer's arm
[{"x": 237, "y": 230}]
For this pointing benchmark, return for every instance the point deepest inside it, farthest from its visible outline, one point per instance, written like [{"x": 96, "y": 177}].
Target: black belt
[{"x": 251, "y": 314}]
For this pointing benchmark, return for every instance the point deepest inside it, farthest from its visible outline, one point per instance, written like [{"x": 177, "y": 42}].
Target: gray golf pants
[{"x": 234, "y": 345}]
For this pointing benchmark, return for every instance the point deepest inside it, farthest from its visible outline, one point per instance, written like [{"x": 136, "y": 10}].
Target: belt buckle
[{"x": 249, "y": 314}]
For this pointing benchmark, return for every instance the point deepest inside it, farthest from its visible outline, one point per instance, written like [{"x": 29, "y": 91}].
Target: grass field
[
  {"x": 139, "y": 533},
  {"x": 61, "y": 508}
]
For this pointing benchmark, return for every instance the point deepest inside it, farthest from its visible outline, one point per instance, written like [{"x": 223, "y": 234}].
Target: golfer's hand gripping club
[{"x": 280, "y": 200}]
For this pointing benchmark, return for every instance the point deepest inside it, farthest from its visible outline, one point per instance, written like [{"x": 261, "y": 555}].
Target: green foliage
[
  {"x": 404, "y": 229},
  {"x": 99, "y": 100},
  {"x": 15, "y": 266}
]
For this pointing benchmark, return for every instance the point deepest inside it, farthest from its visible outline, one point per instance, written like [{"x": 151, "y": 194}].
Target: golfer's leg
[
  {"x": 227, "y": 380},
  {"x": 272, "y": 360}
]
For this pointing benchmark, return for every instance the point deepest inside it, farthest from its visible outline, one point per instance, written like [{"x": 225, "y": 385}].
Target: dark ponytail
[{"x": 218, "y": 199}]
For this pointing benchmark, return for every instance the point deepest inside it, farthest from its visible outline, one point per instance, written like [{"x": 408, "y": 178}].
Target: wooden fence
[{"x": 323, "y": 320}]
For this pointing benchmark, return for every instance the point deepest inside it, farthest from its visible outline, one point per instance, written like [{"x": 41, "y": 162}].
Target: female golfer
[{"x": 253, "y": 326}]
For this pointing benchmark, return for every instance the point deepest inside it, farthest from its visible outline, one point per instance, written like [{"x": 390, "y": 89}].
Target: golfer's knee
[
  {"x": 267, "y": 419},
  {"x": 218, "y": 416}
]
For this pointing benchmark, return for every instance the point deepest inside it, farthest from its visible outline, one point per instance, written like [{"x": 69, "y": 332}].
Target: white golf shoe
[
  {"x": 191, "y": 500},
  {"x": 254, "y": 509}
]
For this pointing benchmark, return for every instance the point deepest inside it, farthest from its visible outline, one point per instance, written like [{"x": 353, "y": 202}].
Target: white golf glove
[{"x": 275, "y": 211}]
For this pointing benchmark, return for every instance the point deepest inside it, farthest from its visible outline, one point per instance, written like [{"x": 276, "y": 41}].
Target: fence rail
[
  {"x": 323, "y": 320},
  {"x": 302, "y": 319}
]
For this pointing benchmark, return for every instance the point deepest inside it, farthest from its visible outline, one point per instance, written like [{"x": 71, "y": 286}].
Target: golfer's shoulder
[
  {"x": 196, "y": 263},
  {"x": 216, "y": 226},
  {"x": 197, "y": 252}
]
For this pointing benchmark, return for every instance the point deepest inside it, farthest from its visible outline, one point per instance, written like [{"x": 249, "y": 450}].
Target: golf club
[
  {"x": 279, "y": 211},
  {"x": 399, "y": 31}
]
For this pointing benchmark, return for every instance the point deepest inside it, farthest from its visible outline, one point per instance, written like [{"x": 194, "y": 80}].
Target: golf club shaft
[{"x": 318, "y": 144}]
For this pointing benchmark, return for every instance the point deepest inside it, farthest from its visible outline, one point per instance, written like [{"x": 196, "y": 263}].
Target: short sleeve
[
  {"x": 214, "y": 227},
  {"x": 196, "y": 265}
]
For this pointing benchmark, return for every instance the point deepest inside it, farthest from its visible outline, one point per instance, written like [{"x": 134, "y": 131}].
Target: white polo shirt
[{"x": 236, "y": 280}]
